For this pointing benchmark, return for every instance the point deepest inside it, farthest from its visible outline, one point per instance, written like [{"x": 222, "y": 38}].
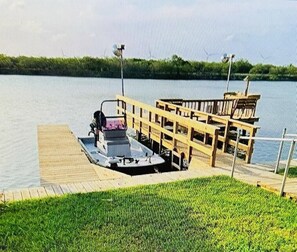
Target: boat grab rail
[{"x": 115, "y": 100}]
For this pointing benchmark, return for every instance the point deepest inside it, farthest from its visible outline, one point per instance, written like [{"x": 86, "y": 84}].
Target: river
[{"x": 28, "y": 101}]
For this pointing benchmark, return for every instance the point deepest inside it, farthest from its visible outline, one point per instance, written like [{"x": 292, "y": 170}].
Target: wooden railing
[
  {"x": 227, "y": 127},
  {"x": 171, "y": 131},
  {"x": 241, "y": 108}
]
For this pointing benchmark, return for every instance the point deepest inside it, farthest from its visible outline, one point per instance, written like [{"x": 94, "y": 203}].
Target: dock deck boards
[
  {"x": 62, "y": 160},
  {"x": 64, "y": 169}
]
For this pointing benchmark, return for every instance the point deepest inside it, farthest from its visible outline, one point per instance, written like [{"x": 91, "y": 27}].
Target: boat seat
[
  {"x": 114, "y": 124},
  {"x": 118, "y": 147},
  {"x": 111, "y": 134},
  {"x": 117, "y": 141}
]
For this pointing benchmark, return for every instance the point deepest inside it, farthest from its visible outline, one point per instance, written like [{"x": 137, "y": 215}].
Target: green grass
[
  {"x": 292, "y": 173},
  {"x": 209, "y": 214}
]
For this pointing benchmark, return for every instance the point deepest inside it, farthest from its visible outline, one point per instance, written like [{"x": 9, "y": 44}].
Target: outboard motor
[{"x": 96, "y": 125}]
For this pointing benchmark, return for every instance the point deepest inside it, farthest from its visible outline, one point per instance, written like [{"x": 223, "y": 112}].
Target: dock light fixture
[
  {"x": 228, "y": 58},
  {"x": 118, "y": 51}
]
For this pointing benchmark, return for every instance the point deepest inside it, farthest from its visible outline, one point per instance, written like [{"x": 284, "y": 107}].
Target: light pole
[
  {"x": 118, "y": 51},
  {"x": 228, "y": 58}
]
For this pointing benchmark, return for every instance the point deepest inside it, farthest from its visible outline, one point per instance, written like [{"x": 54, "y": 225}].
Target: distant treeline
[{"x": 173, "y": 68}]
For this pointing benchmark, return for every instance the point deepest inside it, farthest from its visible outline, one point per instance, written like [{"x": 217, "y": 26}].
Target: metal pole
[
  {"x": 287, "y": 167},
  {"x": 268, "y": 138},
  {"x": 291, "y": 135},
  {"x": 280, "y": 150},
  {"x": 122, "y": 73},
  {"x": 229, "y": 72},
  {"x": 235, "y": 152}
]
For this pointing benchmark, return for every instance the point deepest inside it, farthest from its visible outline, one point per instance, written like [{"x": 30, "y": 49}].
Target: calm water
[{"x": 28, "y": 101}]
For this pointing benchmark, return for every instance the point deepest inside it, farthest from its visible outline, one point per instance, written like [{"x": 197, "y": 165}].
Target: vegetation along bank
[{"x": 173, "y": 68}]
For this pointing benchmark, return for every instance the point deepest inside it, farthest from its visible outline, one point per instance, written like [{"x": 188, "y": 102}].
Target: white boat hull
[{"x": 141, "y": 156}]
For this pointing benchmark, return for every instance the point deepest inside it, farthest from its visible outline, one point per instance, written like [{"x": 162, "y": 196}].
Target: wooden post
[
  {"x": 225, "y": 143},
  {"x": 149, "y": 127},
  {"x": 133, "y": 117},
  {"x": 215, "y": 107},
  {"x": 206, "y": 135},
  {"x": 214, "y": 148},
  {"x": 162, "y": 123},
  {"x": 174, "y": 131},
  {"x": 189, "y": 147},
  {"x": 140, "y": 115},
  {"x": 250, "y": 146},
  {"x": 235, "y": 153},
  {"x": 118, "y": 105},
  {"x": 177, "y": 112}
]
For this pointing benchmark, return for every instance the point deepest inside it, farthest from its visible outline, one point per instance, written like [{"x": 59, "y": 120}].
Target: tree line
[{"x": 173, "y": 68}]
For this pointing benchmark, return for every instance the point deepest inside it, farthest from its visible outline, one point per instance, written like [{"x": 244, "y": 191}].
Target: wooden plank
[
  {"x": 17, "y": 195},
  {"x": 87, "y": 186},
  {"x": 49, "y": 190},
  {"x": 95, "y": 186},
  {"x": 65, "y": 189},
  {"x": 72, "y": 188},
  {"x": 8, "y": 196},
  {"x": 122, "y": 183},
  {"x": 105, "y": 185},
  {"x": 25, "y": 194},
  {"x": 80, "y": 188},
  {"x": 33, "y": 192},
  {"x": 42, "y": 192},
  {"x": 57, "y": 189},
  {"x": 2, "y": 198}
]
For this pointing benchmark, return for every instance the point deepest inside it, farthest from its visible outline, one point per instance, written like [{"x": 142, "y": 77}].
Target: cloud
[
  {"x": 32, "y": 26},
  {"x": 16, "y": 5},
  {"x": 92, "y": 35},
  {"x": 58, "y": 37},
  {"x": 160, "y": 28},
  {"x": 174, "y": 11},
  {"x": 229, "y": 37}
]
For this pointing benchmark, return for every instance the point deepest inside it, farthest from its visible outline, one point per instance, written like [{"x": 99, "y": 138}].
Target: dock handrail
[
  {"x": 281, "y": 140},
  {"x": 228, "y": 126},
  {"x": 242, "y": 108},
  {"x": 171, "y": 130}
]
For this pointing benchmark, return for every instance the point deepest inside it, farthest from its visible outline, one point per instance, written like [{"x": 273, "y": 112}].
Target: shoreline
[
  {"x": 233, "y": 78},
  {"x": 174, "y": 68}
]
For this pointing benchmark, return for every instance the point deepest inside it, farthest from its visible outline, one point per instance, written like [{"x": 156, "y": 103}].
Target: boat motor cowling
[{"x": 99, "y": 120}]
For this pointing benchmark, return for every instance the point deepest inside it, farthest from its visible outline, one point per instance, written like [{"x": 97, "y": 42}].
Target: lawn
[
  {"x": 292, "y": 173},
  {"x": 209, "y": 214}
]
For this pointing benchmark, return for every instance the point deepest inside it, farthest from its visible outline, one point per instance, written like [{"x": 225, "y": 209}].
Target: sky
[{"x": 260, "y": 31}]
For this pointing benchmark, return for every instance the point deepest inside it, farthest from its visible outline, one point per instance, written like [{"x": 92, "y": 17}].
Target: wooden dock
[
  {"x": 187, "y": 130},
  {"x": 64, "y": 168}
]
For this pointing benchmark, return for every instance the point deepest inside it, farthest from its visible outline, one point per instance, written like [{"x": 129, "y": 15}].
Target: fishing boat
[{"x": 111, "y": 146}]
